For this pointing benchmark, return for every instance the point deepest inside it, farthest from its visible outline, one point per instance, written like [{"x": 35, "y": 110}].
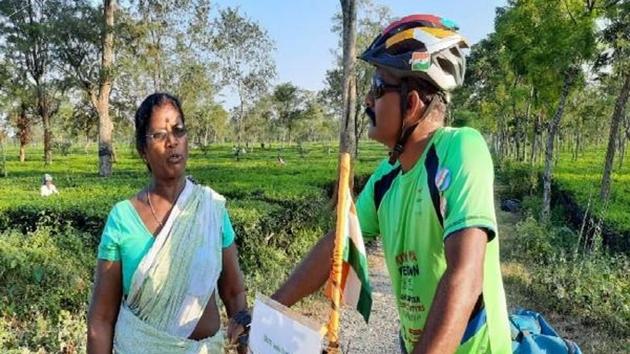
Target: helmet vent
[
  {"x": 446, "y": 65},
  {"x": 409, "y": 45}
]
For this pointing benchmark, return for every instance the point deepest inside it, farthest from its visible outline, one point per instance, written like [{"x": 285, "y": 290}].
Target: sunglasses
[
  {"x": 161, "y": 135},
  {"x": 380, "y": 87}
]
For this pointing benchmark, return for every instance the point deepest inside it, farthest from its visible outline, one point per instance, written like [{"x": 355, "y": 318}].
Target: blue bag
[{"x": 531, "y": 334}]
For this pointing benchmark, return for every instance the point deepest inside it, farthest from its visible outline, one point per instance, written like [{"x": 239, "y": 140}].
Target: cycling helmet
[{"x": 423, "y": 46}]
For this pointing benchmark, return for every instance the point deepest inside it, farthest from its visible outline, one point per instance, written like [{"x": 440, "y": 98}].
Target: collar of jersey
[{"x": 412, "y": 174}]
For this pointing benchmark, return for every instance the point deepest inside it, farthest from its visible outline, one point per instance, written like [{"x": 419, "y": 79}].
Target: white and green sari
[{"x": 175, "y": 280}]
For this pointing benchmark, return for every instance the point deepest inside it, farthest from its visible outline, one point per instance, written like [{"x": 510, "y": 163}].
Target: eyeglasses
[
  {"x": 161, "y": 135},
  {"x": 380, "y": 87}
]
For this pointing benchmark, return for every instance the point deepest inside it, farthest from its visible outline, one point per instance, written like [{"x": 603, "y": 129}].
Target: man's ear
[{"x": 415, "y": 108}]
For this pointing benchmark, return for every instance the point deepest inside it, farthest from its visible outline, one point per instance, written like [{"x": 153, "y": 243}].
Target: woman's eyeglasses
[
  {"x": 380, "y": 87},
  {"x": 161, "y": 135}
]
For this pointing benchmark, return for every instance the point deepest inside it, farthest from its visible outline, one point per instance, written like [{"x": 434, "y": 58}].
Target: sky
[{"x": 304, "y": 41}]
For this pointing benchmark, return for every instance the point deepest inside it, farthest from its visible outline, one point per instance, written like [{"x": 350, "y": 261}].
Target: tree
[
  {"x": 26, "y": 28},
  {"x": 314, "y": 124},
  {"x": 243, "y": 50},
  {"x": 617, "y": 35},
  {"x": 79, "y": 45},
  {"x": 18, "y": 100},
  {"x": 347, "y": 123},
  {"x": 371, "y": 19},
  {"x": 288, "y": 101},
  {"x": 547, "y": 43}
]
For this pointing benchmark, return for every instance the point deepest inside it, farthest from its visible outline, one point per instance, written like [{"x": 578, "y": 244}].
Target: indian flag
[{"x": 356, "y": 291}]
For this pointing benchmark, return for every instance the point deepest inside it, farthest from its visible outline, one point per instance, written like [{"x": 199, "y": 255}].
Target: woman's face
[{"x": 166, "y": 151}]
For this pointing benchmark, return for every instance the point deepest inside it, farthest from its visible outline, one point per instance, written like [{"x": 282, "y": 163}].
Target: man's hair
[{"x": 428, "y": 92}]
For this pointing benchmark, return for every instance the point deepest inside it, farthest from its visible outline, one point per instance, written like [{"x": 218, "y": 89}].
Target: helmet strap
[{"x": 394, "y": 155}]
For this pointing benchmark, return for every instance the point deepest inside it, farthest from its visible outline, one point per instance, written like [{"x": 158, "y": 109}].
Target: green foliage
[
  {"x": 578, "y": 179},
  {"x": 593, "y": 287},
  {"x": 581, "y": 179},
  {"x": 3, "y": 161},
  {"x": 62, "y": 147},
  {"x": 520, "y": 179},
  {"x": 46, "y": 276}
]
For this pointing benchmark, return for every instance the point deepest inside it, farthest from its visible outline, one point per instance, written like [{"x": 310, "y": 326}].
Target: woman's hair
[{"x": 144, "y": 112}]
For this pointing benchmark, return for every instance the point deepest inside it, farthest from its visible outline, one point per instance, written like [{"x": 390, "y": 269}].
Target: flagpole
[{"x": 335, "y": 274}]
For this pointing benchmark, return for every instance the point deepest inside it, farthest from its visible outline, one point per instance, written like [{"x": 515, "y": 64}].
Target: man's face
[{"x": 384, "y": 101}]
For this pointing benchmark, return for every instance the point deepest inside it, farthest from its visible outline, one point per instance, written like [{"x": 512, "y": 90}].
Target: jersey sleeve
[
  {"x": 109, "y": 247},
  {"x": 467, "y": 184}
]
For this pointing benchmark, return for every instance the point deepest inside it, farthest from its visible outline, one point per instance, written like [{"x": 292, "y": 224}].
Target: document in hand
[{"x": 276, "y": 328}]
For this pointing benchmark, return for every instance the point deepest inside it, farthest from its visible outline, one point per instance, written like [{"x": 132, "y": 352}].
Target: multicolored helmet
[{"x": 423, "y": 46}]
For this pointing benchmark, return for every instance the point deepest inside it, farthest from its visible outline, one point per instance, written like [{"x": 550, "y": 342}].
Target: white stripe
[
  {"x": 352, "y": 291},
  {"x": 354, "y": 229}
]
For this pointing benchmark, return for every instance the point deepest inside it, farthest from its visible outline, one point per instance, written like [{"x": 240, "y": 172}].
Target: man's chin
[
  {"x": 374, "y": 136},
  {"x": 371, "y": 133}
]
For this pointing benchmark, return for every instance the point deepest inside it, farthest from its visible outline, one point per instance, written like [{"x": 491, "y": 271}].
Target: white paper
[{"x": 277, "y": 329}]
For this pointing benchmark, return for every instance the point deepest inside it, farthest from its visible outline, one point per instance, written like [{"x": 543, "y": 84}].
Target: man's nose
[{"x": 369, "y": 100}]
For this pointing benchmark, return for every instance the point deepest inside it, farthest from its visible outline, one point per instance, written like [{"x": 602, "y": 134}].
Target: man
[{"x": 431, "y": 202}]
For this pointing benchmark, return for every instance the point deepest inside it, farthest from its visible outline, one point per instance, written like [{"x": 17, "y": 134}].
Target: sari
[{"x": 175, "y": 280}]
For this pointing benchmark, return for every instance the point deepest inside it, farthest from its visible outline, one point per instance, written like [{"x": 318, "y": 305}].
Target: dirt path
[{"x": 381, "y": 334}]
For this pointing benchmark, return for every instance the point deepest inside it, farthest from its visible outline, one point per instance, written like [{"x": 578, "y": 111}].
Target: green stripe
[{"x": 360, "y": 266}]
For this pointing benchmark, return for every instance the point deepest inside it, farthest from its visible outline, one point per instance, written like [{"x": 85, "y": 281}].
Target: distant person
[
  {"x": 165, "y": 254},
  {"x": 48, "y": 188},
  {"x": 431, "y": 202}
]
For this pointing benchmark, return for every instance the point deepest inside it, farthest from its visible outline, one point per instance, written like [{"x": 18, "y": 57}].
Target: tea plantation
[{"x": 48, "y": 245}]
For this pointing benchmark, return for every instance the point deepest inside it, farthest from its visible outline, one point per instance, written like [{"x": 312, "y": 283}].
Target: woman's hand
[{"x": 238, "y": 332}]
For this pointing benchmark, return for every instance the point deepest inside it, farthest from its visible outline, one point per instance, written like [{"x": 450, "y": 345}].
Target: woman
[
  {"x": 48, "y": 188},
  {"x": 164, "y": 252}
]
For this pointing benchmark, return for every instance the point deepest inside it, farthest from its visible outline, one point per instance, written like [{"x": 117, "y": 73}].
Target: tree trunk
[
  {"x": 618, "y": 114},
  {"x": 347, "y": 132},
  {"x": 622, "y": 151},
  {"x": 24, "y": 131},
  {"x": 576, "y": 151},
  {"x": 44, "y": 112},
  {"x": 549, "y": 156},
  {"x": 105, "y": 126},
  {"x": 22, "y": 153},
  {"x": 537, "y": 138}
]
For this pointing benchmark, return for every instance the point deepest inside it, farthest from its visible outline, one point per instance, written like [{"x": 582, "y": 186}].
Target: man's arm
[
  {"x": 457, "y": 292},
  {"x": 310, "y": 274}
]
